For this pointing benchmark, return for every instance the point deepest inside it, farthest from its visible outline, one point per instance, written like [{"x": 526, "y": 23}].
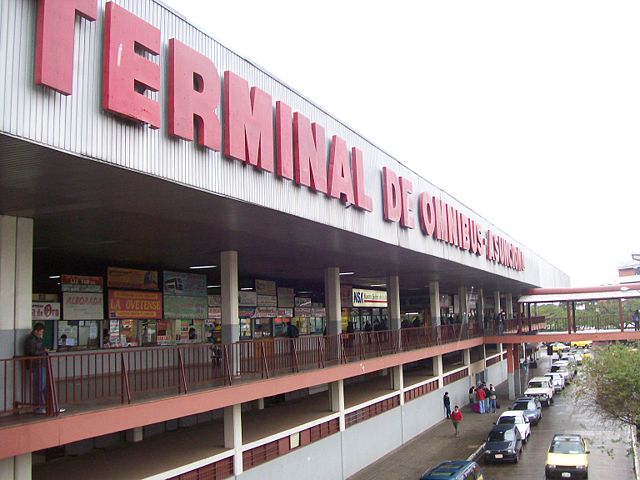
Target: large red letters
[
  {"x": 309, "y": 153},
  {"x": 392, "y": 199},
  {"x": 54, "y": 41},
  {"x": 340, "y": 180},
  {"x": 363, "y": 201},
  {"x": 194, "y": 93}
]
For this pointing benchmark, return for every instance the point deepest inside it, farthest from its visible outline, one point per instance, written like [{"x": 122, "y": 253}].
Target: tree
[{"x": 611, "y": 383}]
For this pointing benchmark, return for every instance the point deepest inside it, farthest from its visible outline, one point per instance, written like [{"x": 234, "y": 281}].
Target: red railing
[{"x": 127, "y": 374}]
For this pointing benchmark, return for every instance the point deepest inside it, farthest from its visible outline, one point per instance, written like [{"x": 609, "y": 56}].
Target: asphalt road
[{"x": 608, "y": 443}]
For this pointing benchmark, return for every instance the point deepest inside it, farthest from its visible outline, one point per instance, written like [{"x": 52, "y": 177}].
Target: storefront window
[
  {"x": 262, "y": 327},
  {"x": 149, "y": 332},
  {"x": 245, "y": 328},
  {"x": 77, "y": 334},
  {"x": 316, "y": 325}
]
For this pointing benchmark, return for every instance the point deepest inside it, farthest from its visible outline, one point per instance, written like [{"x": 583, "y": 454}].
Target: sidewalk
[{"x": 436, "y": 445}]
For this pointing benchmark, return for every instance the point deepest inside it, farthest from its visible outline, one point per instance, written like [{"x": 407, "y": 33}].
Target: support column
[
  {"x": 393, "y": 301},
  {"x": 434, "y": 303},
  {"x": 233, "y": 434},
  {"x": 568, "y": 318},
  {"x": 397, "y": 381},
  {"x": 511, "y": 382},
  {"x": 438, "y": 369},
  {"x": 332, "y": 300},
  {"x": 480, "y": 307},
  {"x": 620, "y": 315},
  {"x": 229, "y": 294},
  {"x": 466, "y": 357},
  {"x": 261, "y": 404},
  {"x": 135, "y": 435},
  {"x": 496, "y": 302},
  {"x": 336, "y": 397},
  {"x": 508, "y": 300},
  {"x": 462, "y": 304},
  {"x": 16, "y": 468}
]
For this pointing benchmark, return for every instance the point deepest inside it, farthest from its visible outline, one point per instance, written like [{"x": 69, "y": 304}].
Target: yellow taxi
[
  {"x": 586, "y": 354},
  {"x": 582, "y": 343},
  {"x": 559, "y": 347},
  {"x": 568, "y": 457}
]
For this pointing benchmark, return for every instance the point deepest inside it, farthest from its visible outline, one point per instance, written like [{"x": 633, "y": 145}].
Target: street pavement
[{"x": 608, "y": 443}]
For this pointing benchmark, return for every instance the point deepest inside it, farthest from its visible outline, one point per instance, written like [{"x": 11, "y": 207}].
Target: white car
[
  {"x": 557, "y": 381},
  {"x": 540, "y": 387},
  {"x": 519, "y": 419},
  {"x": 564, "y": 368},
  {"x": 578, "y": 357}
]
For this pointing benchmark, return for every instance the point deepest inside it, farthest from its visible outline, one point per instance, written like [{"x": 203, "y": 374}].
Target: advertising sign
[
  {"x": 285, "y": 297},
  {"x": 369, "y": 298},
  {"x": 130, "y": 278},
  {"x": 82, "y": 306},
  {"x": 303, "y": 312},
  {"x": 185, "y": 308},
  {"x": 187, "y": 284},
  {"x": 346, "y": 295},
  {"x": 214, "y": 313},
  {"x": 318, "y": 312},
  {"x": 265, "y": 287},
  {"x": 285, "y": 312},
  {"x": 246, "y": 312},
  {"x": 303, "y": 302},
  {"x": 79, "y": 283},
  {"x": 269, "y": 312},
  {"x": 124, "y": 304},
  {"x": 45, "y": 311},
  {"x": 215, "y": 300},
  {"x": 267, "y": 301},
  {"x": 247, "y": 299}
]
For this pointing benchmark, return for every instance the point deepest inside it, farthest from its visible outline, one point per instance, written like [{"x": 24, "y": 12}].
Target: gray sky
[{"x": 527, "y": 112}]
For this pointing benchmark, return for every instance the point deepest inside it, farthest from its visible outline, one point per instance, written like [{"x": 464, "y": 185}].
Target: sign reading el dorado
[
  {"x": 124, "y": 304},
  {"x": 130, "y": 278}
]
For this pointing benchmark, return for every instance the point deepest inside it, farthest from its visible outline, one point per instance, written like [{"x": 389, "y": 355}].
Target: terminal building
[{"x": 232, "y": 282}]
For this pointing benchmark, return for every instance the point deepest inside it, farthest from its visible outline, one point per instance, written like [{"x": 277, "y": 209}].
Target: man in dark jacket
[
  {"x": 447, "y": 404},
  {"x": 33, "y": 347}
]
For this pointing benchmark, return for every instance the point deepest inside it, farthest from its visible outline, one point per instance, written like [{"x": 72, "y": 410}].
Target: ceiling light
[
  {"x": 54, "y": 276},
  {"x": 378, "y": 285},
  {"x": 244, "y": 289},
  {"x": 202, "y": 267},
  {"x": 213, "y": 286},
  {"x": 347, "y": 273},
  {"x": 304, "y": 291}
]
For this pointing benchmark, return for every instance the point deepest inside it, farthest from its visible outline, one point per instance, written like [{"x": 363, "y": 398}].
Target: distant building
[{"x": 629, "y": 273}]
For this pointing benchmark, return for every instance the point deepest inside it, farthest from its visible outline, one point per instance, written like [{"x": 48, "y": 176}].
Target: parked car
[
  {"x": 559, "y": 347},
  {"x": 531, "y": 407},
  {"x": 582, "y": 343},
  {"x": 454, "y": 470},
  {"x": 503, "y": 444},
  {"x": 541, "y": 388},
  {"x": 517, "y": 418},
  {"x": 586, "y": 354},
  {"x": 578, "y": 357},
  {"x": 557, "y": 380},
  {"x": 567, "y": 457}
]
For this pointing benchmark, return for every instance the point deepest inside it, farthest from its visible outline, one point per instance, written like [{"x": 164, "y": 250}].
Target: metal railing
[
  {"x": 589, "y": 323},
  {"x": 121, "y": 375}
]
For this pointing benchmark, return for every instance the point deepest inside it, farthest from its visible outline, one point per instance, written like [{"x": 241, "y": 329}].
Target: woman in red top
[{"x": 456, "y": 418}]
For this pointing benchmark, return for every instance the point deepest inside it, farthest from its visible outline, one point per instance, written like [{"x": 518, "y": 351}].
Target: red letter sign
[
  {"x": 248, "y": 123},
  {"x": 54, "y": 41},
  {"x": 363, "y": 200},
  {"x": 427, "y": 213},
  {"x": 406, "y": 188},
  {"x": 125, "y": 72},
  {"x": 340, "y": 181},
  {"x": 284, "y": 141},
  {"x": 391, "y": 195},
  {"x": 308, "y": 149},
  {"x": 194, "y": 93}
]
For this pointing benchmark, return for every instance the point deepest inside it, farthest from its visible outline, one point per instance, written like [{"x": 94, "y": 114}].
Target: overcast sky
[{"x": 527, "y": 112}]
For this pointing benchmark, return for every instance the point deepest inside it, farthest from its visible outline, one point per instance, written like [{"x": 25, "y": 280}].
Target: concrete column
[
  {"x": 511, "y": 382},
  {"x": 16, "y": 468},
  {"x": 480, "y": 306},
  {"x": 16, "y": 272},
  {"x": 233, "y": 434},
  {"x": 496, "y": 301},
  {"x": 397, "y": 381},
  {"x": 393, "y": 301},
  {"x": 462, "y": 304},
  {"x": 336, "y": 397},
  {"x": 438, "y": 369},
  {"x": 508, "y": 300},
  {"x": 261, "y": 404},
  {"x": 466, "y": 355},
  {"x": 434, "y": 303},
  {"x": 135, "y": 435},
  {"x": 332, "y": 300},
  {"x": 229, "y": 291}
]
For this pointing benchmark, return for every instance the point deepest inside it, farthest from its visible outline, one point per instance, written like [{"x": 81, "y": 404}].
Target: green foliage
[{"x": 611, "y": 382}]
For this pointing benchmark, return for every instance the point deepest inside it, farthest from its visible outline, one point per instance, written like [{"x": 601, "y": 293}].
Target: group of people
[
  {"x": 483, "y": 398},
  {"x": 456, "y": 415}
]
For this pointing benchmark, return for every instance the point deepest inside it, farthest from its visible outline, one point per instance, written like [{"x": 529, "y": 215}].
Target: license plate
[
  {"x": 499, "y": 455},
  {"x": 566, "y": 474}
]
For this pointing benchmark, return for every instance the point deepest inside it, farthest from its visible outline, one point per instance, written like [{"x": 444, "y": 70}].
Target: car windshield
[
  {"x": 521, "y": 406},
  {"x": 497, "y": 436},
  {"x": 566, "y": 447},
  {"x": 506, "y": 420},
  {"x": 536, "y": 385},
  {"x": 555, "y": 369}
]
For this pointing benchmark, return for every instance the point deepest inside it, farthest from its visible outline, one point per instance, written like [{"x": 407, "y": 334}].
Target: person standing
[
  {"x": 34, "y": 347},
  {"x": 480, "y": 396},
  {"x": 456, "y": 418},
  {"x": 447, "y": 404},
  {"x": 492, "y": 398}
]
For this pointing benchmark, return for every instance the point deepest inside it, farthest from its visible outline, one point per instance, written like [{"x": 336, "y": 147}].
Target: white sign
[
  {"x": 247, "y": 299},
  {"x": 82, "y": 306},
  {"x": 45, "y": 311},
  {"x": 267, "y": 301},
  {"x": 265, "y": 287},
  {"x": 369, "y": 298}
]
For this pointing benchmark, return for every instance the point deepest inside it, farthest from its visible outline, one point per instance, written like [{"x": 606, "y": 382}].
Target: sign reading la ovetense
[{"x": 291, "y": 146}]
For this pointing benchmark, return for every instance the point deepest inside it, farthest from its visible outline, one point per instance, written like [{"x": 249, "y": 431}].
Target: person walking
[
  {"x": 456, "y": 418},
  {"x": 37, "y": 368},
  {"x": 492, "y": 398},
  {"x": 447, "y": 404}
]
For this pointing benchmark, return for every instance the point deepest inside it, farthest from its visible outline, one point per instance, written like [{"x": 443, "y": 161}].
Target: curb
[
  {"x": 634, "y": 446},
  {"x": 476, "y": 455}
]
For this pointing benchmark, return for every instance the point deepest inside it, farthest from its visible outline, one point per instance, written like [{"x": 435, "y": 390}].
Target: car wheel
[
  {"x": 552, "y": 400},
  {"x": 515, "y": 459}
]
